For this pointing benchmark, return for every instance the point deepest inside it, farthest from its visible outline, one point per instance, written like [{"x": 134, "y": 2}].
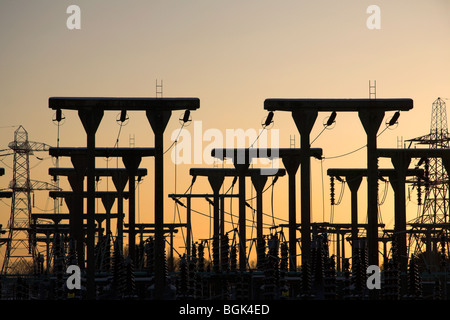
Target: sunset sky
[{"x": 232, "y": 55}]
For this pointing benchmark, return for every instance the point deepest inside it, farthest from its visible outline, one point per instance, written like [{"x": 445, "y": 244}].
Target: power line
[
  {"x": 353, "y": 151},
  {"x": 175, "y": 141}
]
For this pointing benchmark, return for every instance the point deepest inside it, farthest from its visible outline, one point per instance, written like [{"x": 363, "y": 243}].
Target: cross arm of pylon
[
  {"x": 28, "y": 146},
  {"x": 42, "y": 185},
  {"x": 38, "y": 146}
]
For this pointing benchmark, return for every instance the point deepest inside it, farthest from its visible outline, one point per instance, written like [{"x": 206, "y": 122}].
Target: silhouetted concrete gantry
[
  {"x": 353, "y": 177},
  {"x": 158, "y": 112},
  {"x": 291, "y": 158},
  {"x": 131, "y": 158},
  {"x": 401, "y": 159},
  {"x": 304, "y": 113},
  {"x": 216, "y": 177},
  {"x": 76, "y": 176},
  {"x": 371, "y": 113}
]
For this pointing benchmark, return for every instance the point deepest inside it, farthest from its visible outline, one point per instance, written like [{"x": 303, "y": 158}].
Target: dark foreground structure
[{"x": 297, "y": 266}]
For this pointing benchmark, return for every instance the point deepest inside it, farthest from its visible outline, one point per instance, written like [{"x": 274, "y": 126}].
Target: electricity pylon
[
  {"x": 20, "y": 249},
  {"x": 436, "y": 199}
]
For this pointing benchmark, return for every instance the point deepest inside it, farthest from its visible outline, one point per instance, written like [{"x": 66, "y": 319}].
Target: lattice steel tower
[
  {"x": 436, "y": 202},
  {"x": 436, "y": 199},
  {"x": 20, "y": 249}
]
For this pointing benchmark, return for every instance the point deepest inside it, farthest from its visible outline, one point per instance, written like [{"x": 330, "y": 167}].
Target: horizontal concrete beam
[
  {"x": 338, "y": 104},
  {"x": 103, "y": 172},
  {"x": 231, "y": 172},
  {"x": 363, "y": 172},
  {"x": 102, "y": 152},
  {"x": 97, "y": 194},
  {"x": 201, "y": 195},
  {"x": 66, "y": 216},
  {"x": 414, "y": 153},
  {"x": 250, "y": 153},
  {"x": 152, "y": 225},
  {"x": 121, "y": 103}
]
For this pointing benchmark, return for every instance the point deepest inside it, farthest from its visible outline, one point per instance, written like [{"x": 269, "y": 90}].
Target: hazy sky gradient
[{"x": 230, "y": 54}]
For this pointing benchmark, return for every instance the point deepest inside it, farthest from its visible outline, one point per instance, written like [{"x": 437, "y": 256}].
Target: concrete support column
[
  {"x": 291, "y": 163},
  {"x": 398, "y": 180},
  {"x": 131, "y": 163},
  {"x": 120, "y": 180},
  {"x": 158, "y": 120},
  {"x": 371, "y": 120},
  {"x": 353, "y": 183},
  {"x": 242, "y": 168},
  {"x": 90, "y": 119},
  {"x": 304, "y": 120},
  {"x": 216, "y": 182},
  {"x": 259, "y": 181}
]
